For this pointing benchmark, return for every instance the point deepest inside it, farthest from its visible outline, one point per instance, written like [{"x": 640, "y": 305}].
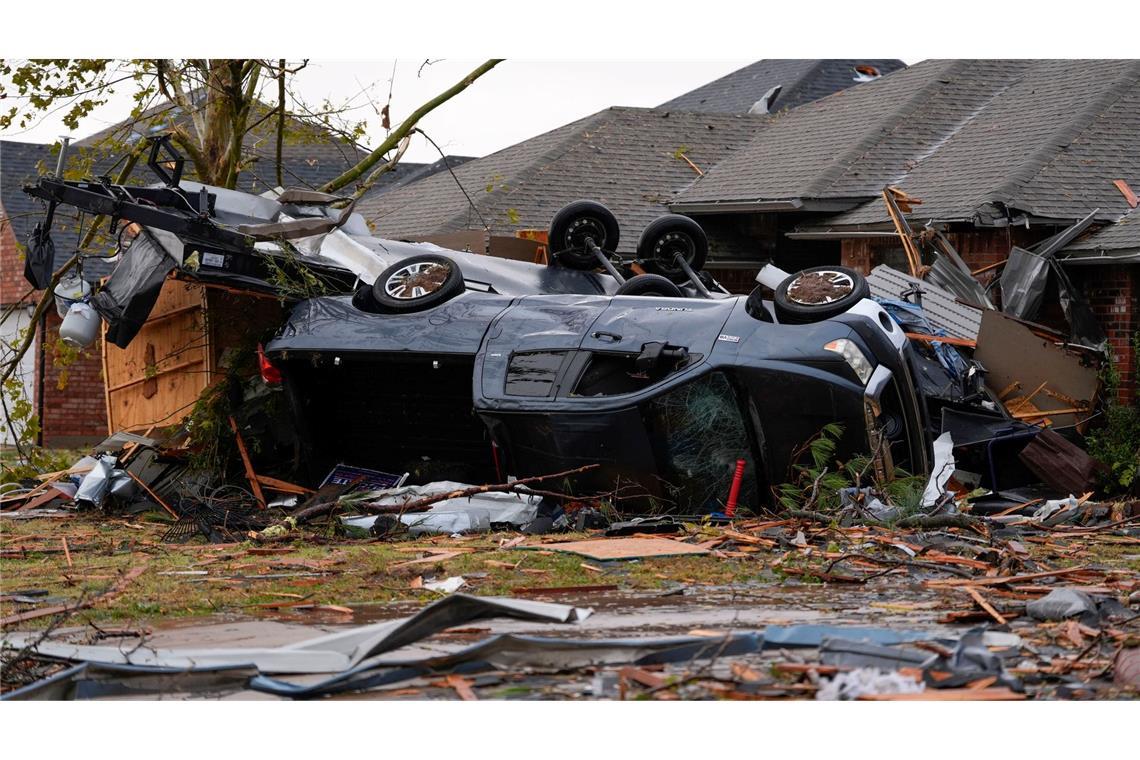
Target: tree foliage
[{"x": 212, "y": 107}]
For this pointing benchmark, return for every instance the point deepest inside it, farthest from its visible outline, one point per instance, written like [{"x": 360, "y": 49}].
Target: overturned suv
[{"x": 447, "y": 366}]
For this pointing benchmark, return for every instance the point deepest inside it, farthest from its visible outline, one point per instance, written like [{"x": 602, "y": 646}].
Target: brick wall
[
  {"x": 12, "y": 282},
  {"x": 76, "y": 414},
  {"x": 735, "y": 280},
  {"x": 1114, "y": 294}
]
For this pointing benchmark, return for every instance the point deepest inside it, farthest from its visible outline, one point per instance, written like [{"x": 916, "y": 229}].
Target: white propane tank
[
  {"x": 80, "y": 327},
  {"x": 69, "y": 290}
]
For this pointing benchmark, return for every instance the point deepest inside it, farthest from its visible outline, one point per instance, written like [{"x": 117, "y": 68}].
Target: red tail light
[{"x": 269, "y": 373}]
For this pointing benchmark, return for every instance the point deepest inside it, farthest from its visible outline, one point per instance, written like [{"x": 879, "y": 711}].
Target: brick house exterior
[{"x": 1001, "y": 153}]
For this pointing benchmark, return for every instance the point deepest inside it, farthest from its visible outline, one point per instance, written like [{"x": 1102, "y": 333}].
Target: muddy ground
[{"x": 757, "y": 574}]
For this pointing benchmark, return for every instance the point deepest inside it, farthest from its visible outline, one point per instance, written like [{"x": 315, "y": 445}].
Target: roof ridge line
[
  {"x": 1062, "y": 138},
  {"x": 843, "y": 161}
]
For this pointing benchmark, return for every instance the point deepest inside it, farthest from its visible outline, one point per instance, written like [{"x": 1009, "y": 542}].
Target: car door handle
[{"x": 611, "y": 337}]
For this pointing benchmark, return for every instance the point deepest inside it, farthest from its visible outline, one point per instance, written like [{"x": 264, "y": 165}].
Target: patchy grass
[{"x": 202, "y": 579}]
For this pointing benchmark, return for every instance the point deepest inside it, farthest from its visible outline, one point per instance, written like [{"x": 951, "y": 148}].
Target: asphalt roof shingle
[
  {"x": 801, "y": 80},
  {"x": 630, "y": 159},
  {"x": 1122, "y": 236},
  {"x": 20, "y": 165},
  {"x": 970, "y": 138}
]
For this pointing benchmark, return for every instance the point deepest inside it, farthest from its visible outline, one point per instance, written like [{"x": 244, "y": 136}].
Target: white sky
[{"x": 515, "y": 100}]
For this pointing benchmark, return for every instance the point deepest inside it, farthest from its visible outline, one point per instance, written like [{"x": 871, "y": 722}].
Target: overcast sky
[{"x": 516, "y": 100}]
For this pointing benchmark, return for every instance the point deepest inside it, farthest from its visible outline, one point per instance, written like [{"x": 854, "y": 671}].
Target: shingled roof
[
  {"x": 19, "y": 165},
  {"x": 1115, "y": 240},
  {"x": 801, "y": 81},
  {"x": 311, "y": 155},
  {"x": 977, "y": 141},
  {"x": 631, "y": 159}
]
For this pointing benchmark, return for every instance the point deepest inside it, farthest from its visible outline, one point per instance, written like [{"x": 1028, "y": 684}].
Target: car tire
[
  {"x": 650, "y": 285},
  {"x": 804, "y": 297},
  {"x": 417, "y": 283},
  {"x": 667, "y": 236},
  {"x": 572, "y": 225}
]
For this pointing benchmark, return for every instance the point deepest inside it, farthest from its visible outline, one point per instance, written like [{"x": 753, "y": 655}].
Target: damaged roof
[
  {"x": 975, "y": 140},
  {"x": 1119, "y": 241},
  {"x": 631, "y": 159},
  {"x": 801, "y": 81}
]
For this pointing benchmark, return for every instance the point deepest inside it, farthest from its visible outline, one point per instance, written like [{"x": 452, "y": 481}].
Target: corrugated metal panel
[{"x": 943, "y": 311}]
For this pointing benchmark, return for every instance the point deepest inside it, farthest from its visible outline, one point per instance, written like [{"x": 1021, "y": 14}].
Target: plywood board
[
  {"x": 157, "y": 378},
  {"x": 623, "y": 548},
  {"x": 1011, "y": 352}
]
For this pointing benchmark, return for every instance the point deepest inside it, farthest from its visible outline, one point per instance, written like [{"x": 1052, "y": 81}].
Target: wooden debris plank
[
  {"x": 625, "y": 548},
  {"x": 981, "y": 600},
  {"x": 283, "y": 486},
  {"x": 641, "y": 676},
  {"x": 1018, "y": 403},
  {"x": 462, "y": 687},
  {"x": 747, "y": 538},
  {"x": 152, "y": 494},
  {"x": 250, "y": 475},
  {"x": 949, "y": 695},
  {"x": 438, "y": 557},
  {"x": 1000, "y": 579},
  {"x": 43, "y": 499},
  {"x": 563, "y": 590},
  {"x": 966, "y": 342}
]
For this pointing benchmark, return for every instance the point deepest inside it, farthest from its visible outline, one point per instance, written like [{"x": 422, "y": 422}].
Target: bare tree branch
[{"x": 401, "y": 131}]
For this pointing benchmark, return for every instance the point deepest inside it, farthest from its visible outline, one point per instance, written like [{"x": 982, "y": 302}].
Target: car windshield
[{"x": 698, "y": 433}]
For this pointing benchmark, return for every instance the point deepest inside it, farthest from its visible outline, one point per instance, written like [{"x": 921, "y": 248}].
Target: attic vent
[
  {"x": 764, "y": 104},
  {"x": 864, "y": 73}
]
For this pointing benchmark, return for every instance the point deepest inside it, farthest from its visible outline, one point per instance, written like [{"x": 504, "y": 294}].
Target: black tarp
[{"x": 126, "y": 301}]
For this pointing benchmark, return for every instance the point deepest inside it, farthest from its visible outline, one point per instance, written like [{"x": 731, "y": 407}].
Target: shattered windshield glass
[{"x": 698, "y": 434}]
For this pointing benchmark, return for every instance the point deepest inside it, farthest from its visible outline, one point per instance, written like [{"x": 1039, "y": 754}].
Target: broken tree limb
[
  {"x": 931, "y": 522},
  {"x": 892, "y": 563},
  {"x": 307, "y": 513},
  {"x": 62, "y": 609},
  {"x": 401, "y": 131},
  {"x": 427, "y": 501}
]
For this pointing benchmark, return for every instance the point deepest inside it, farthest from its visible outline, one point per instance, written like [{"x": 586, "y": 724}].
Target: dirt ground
[{"x": 130, "y": 585}]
